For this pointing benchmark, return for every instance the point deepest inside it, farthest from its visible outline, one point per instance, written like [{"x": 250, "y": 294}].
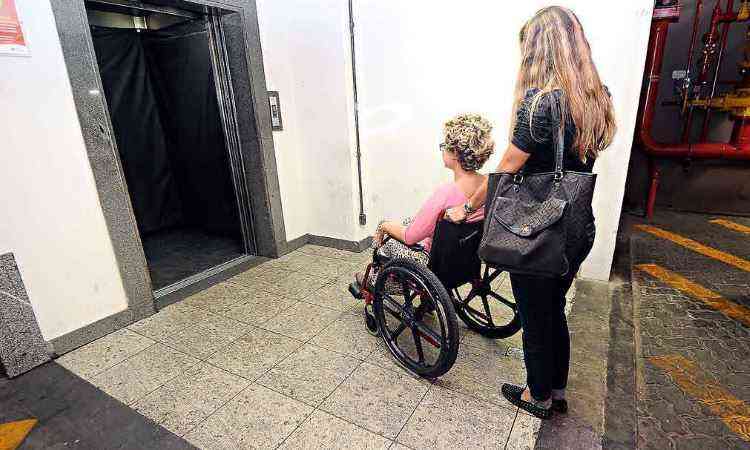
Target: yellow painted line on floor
[
  {"x": 707, "y": 296},
  {"x": 732, "y": 225},
  {"x": 12, "y": 434},
  {"x": 697, "y": 247},
  {"x": 732, "y": 411}
]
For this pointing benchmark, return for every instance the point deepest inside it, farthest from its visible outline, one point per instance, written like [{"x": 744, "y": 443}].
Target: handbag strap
[{"x": 559, "y": 141}]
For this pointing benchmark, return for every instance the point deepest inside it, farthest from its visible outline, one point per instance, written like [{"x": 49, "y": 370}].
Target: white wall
[
  {"x": 306, "y": 58},
  {"x": 50, "y": 213},
  {"x": 422, "y": 61}
]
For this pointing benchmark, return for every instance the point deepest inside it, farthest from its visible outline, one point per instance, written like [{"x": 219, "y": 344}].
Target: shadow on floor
[{"x": 72, "y": 413}]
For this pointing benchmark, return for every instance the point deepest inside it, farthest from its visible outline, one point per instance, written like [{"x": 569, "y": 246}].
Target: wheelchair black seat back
[
  {"x": 454, "y": 258},
  {"x": 414, "y": 308}
]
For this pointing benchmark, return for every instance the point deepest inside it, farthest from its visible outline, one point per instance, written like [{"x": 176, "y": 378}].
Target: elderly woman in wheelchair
[{"x": 425, "y": 270}]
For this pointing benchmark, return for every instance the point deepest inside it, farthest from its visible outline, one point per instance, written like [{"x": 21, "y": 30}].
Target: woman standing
[{"x": 557, "y": 78}]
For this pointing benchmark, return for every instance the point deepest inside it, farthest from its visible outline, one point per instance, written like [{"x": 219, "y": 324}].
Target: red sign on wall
[{"x": 12, "y": 41}]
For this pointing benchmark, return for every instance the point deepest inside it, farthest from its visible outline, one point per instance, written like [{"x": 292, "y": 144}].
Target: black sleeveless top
[{"x": 541, "y": 146}]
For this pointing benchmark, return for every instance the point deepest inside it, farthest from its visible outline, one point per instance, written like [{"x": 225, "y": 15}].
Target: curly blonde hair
[{"x": 469, "y": 137}]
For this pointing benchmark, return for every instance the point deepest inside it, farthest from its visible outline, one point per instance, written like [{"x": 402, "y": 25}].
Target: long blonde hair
[{"x": 556, "y": 55}]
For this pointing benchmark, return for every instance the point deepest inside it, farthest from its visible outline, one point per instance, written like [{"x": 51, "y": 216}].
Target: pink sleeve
[{"x": 425, "y": 220}]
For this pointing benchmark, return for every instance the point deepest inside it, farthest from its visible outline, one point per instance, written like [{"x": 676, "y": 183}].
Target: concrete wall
[
  {"x": 424, "y": 61},
  {"x": 713, "y": 186},
  {"x": 50, "y": 216}
]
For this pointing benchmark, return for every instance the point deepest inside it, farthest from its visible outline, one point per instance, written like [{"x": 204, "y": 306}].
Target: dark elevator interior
[{"x": 158, "y": 79}]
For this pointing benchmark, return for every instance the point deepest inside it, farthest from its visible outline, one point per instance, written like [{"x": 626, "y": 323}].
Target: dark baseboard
[
  {"x": 341, "y": 244},
  {"x": 296, "y": 243},
  {"x": 102, "y": 327},
  {"x": 325, "y": 241}
]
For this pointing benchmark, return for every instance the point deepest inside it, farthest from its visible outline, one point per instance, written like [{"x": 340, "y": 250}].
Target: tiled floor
[{"x": 278, "y": 357}]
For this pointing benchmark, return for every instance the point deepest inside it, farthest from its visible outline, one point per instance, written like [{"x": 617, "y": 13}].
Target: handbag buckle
[{"x": 518, "y": 178}]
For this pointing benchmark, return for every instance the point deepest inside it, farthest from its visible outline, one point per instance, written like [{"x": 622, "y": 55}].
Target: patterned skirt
[{"x": 394, "y": 248}]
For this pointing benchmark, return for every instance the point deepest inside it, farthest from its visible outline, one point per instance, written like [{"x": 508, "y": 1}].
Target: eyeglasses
[{"x": 443, "y": 147}]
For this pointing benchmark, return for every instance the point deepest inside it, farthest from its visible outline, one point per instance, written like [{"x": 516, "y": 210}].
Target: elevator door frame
[{"x": 234, "y": 43}]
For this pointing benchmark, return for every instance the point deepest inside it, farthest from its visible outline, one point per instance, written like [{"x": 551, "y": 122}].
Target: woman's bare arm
[
  {"x": 392, "y": 229},
  {"x": 513, "y": 159}
]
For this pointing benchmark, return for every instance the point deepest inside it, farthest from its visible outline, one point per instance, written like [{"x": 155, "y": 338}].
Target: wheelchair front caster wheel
[{"x": 370, "y": 323}]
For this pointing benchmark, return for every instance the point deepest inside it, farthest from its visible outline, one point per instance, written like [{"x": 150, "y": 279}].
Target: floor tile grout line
[
  {"x": 308, "y": 341},
  {"x": 131, "y": 404},
  {"x": 277, "y": 363},
  {"x": 204, "y": 360},
  {"x": 358, "y": 358},
  {"x": 395, "y": 439},
  {"x": 317, "y": 407},
  {"x": 199, "y": 361},
  {"x": 208, "y": 416},
  {"x": 251, "y": 382},
  {"x": 376, "y": 433},
  {"x": 255, "y": 381},
  {"x": 510, "y": 431},
  {"x": 400, "y": 370},
  {"x": 117, "y": 364},
  {"x": 280, "y": 360},
  {"x": 87, "y": 378}
]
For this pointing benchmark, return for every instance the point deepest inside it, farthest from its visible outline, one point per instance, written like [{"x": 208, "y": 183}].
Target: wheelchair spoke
[
  {"x": 503, "y": 300},
  {"x": 408, "y": 298},
  {"x": 397, "y": 332},
  {"x": 418, "y": 344},
  {"x": 492, "y": 276},
  {"x": 428, "y": 334},
  {"x": 475, "y": 313},
  {"x": 393, "y": 307},
  {"x": 487, "y": 310}
]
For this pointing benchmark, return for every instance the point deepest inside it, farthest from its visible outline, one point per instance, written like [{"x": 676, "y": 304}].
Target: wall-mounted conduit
[{"x": 362, "y": 216}]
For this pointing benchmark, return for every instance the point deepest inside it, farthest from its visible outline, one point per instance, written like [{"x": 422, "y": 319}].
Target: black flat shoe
[
  {"x": 513, "y": 394},
  {"x": 560, "y": 406}
]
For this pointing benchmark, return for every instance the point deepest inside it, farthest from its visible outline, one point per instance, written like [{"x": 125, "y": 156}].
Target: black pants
[{"x": 546, "y": 341}]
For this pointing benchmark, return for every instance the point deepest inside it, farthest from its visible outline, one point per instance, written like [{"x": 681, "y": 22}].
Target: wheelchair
[{"x": 414, "y": 308}]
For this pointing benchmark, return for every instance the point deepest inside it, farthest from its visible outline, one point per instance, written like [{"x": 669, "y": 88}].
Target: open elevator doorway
[{"x": 161, "y": 71}]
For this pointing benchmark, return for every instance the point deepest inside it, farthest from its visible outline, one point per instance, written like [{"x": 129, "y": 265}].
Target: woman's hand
[
  {"x": 380, "y": 234},
  {"x": 456, "y": 214},
  {"x": 379, "y": 237}
]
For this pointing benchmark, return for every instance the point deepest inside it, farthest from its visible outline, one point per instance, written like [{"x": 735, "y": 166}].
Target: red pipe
[
  {"x": 687, "y": 86},
  {"x": 719, "y": 59},
  {"x": 738, "y": 149},
  {"x": 704, "y": 150}
]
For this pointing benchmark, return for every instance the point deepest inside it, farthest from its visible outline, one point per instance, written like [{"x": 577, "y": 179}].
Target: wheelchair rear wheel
[
  {"x": 418, "y": 323},
  {"x": 485, "y": 311}
]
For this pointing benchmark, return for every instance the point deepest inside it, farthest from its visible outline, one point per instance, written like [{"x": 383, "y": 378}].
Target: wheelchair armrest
[{"x": 416, "y": 247}]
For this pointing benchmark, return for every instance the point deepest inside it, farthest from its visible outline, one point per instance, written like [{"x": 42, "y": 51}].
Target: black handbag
[{"x": 539, "y": 224}]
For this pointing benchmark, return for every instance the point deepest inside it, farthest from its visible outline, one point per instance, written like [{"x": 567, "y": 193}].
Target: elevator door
[{"x": 161, "y": 92}]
